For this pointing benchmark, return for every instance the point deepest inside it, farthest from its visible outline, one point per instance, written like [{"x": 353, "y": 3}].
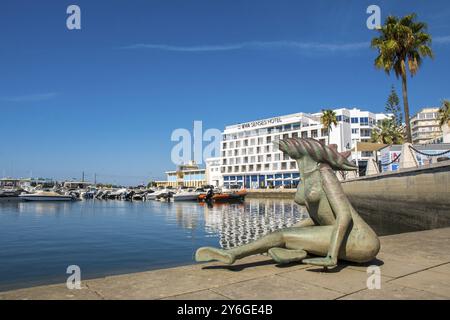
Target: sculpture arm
[
  {"x": 341, "y": 208},
  {"x": 308, "y": 222}
]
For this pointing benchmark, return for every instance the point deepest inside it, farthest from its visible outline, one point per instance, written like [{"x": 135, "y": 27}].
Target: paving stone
[
  {"x": 435, "y": 282},
  {"x": 390, "y": 291},
  {"x": 275, "y": 288}
]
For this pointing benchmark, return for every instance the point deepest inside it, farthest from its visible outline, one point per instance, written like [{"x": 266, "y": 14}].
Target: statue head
[{"x": 298, "y": 148}]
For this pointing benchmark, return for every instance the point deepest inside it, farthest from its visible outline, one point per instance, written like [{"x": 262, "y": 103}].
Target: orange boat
[{"x": 226, "y": 197}]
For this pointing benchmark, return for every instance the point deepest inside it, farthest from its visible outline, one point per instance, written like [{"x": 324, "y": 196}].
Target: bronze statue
[{"x": 334, "y": 229}]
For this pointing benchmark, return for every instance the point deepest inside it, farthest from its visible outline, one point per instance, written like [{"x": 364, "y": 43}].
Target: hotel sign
[{"x": 259, "y": 123}]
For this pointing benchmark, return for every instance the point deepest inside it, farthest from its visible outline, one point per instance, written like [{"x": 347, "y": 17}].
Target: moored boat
[
  {"x": 45, "y": 196},
  {"x": 225, "y": 196}
]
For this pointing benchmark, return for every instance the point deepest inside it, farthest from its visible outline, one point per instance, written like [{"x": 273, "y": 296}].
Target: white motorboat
[
  {"x": 157, "y": 193},
  {"x": 186, "y": 196},
  {"x": 45, "y": 196}
]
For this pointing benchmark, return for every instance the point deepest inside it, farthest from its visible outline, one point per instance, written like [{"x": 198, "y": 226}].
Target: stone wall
[{"x": 419, "y": 198}]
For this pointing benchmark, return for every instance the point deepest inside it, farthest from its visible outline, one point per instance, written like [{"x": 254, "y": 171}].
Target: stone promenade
[{"x": 413, "y": 266}]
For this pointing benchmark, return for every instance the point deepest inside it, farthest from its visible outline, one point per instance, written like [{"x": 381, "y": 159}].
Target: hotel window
[
  {"x": 231, "y": 144},
  {"x": 275, "y": 166},
  {"x": 236, "y": 152},
  {"x": 224, "y": 161},
  {"x": 260, "y": 159},
  {"x": 294, "y": 134},
  {"x": 293, "y": 163},
  {"x": 269, "y": 158},
  {"x": 267, "y": 149},
  {"x": 266, "y": 166},
  {"x": 278, "y": 129},
  {"x": 250, "y": 150},
  {"x": 229, "y": 169},
  {"x": 246, "y": 143},
  {"x": 355, "y": 131},
  {"x": 258, "y": 149},
  {"x": 285, "y": 136},
  {"x": 277, "y": 157},
  {"x": 243, "y": 152},
  {"x": 250, "y": 168},
  {"x": 252, "y": 142},
  {"x": 339, "y": 118},
  {"x": 224, "y": 154},
  {"x": 324, "y": 132},
  {"x": 286, "y": 156},
  {"x": 224, "y": 146},
  {"x": 260, "y": 140},
  {"x": 269, "y": 139},
  {"x": 258, "y": 167},
  {"x": 243, "y": 168},
  {"x": 364, "y": 121},
  {"x": 296, "y": 126},
  {"x": 314, "y": 133},
  {"x": 238, "y": 144},
  {"x": 236, "y": 168},
  {"x": 245, "y": 159},
  {"x": 283, "y": 166},
  {"x": 252, "y": 159},
  {"x": 287, "y": 127},
  {"x": 230, "y": 153},
  {"x": 354, "y": 120},
  {"x": 305, "y": 134}
]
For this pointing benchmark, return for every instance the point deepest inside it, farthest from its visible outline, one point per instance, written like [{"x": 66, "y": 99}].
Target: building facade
[
  {"x": 425, "y": 126},
  {"x": 188, "y": 175},
  {"x": 213, "y": 174},
  {"x": 390, "y": 155},
  {"x": 249, "y": 158}
]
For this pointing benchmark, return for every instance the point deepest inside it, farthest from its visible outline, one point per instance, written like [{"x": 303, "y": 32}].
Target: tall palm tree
[
  {"x": 402, "y": 43},
  {"x": 328, "y": 119},
  {"x": 387, "y": 133},
  {"x": 444, "y": 114}
]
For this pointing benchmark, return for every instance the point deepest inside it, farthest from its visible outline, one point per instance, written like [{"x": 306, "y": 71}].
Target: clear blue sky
[{"x": 106, "y": 98}]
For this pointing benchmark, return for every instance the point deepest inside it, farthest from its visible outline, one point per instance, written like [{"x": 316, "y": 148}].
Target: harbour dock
[{"x": 413, "y": 265}]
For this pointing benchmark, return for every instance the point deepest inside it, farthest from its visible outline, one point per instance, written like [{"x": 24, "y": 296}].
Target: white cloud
[
  {"x": 306, "y": 46},
  {"x": 442, "y": 39},
  {"x": 31, "y": 97}
]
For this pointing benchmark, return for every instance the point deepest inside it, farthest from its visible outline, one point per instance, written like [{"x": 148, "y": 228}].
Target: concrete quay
[{"x": 413, "y": 265}]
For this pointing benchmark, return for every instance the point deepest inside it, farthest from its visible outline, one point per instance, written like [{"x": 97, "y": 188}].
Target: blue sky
[{"x": 106, "y": 98}]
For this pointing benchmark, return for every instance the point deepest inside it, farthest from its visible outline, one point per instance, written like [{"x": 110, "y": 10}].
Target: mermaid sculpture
[{"x": 333, "y": 231}]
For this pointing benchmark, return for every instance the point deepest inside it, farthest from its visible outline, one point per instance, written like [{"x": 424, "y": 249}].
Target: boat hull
[{"x": 45, "y": 198}]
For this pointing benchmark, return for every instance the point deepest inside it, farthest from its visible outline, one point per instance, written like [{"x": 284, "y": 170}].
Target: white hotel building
[{"x": 248, "y": 157}]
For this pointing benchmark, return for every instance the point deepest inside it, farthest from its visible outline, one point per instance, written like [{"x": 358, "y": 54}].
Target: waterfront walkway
[{"x": 413, "y": 265}]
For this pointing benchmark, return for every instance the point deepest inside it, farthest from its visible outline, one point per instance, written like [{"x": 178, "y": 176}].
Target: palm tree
[
  {"x": 387, "y": 133},
  {"x": 444, "y": 114},
  {"x": 402, "y": 44},
  {"x": 328, "y": 119}
]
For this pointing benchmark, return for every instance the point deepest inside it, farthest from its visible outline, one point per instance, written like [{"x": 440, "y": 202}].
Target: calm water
[{"x": 39, "y": 240}]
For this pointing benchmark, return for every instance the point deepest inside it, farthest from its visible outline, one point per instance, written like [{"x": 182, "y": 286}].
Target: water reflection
[{"x": 238, "y": 224}]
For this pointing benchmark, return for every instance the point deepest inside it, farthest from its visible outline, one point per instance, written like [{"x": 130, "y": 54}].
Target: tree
[
  {"x": 328, "y": 119},
  {"x": 393, "y": 107},
  {"x": 444, "y": 114},
  {"x": 402, "y": 44},
  {"x": 387, "y": 133}
]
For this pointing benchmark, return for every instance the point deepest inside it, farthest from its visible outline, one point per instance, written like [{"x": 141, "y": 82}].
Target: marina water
[{"x": 39, "y": 240}]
